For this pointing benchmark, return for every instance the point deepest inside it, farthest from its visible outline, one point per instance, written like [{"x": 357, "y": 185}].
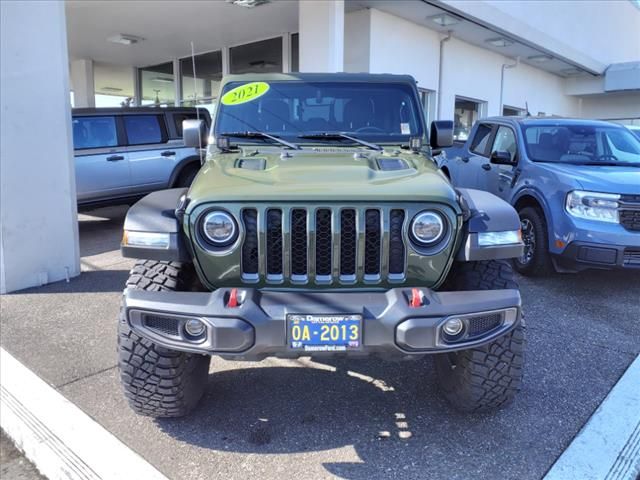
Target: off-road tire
[
  {"x": 489, "y": 376},
  {"x": 157, "y": 381},
  {"x": 540, "y": 263}
]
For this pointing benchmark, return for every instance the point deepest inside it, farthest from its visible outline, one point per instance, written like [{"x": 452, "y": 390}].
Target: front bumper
[
  {"x": 583, "y": 255},
  {"x": 257, "y": 327}
]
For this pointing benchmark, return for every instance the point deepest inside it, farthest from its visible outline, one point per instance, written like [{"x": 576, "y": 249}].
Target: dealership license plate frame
[{"x": 316, "y": 321}]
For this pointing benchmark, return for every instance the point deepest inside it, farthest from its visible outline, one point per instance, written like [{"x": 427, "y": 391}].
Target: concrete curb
[
  {"x": 608, "y": 446},
  {"x": 61, "y": 440}
]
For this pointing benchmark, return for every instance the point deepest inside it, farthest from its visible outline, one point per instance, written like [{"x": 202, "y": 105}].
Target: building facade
[{"x": 470, "y": 59}]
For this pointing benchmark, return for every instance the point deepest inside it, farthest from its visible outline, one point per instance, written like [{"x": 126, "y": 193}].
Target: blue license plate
[{"x": 324, "y": 333}]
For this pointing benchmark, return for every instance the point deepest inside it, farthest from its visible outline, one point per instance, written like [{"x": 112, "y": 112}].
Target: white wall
[
  {"x": 609, "y": 31},
  {"x": 468, "y": 71},
  {"x": 38, "y": 219},
  {"x": 611, "y": 106},
  {"x": 357, "y": 35}
]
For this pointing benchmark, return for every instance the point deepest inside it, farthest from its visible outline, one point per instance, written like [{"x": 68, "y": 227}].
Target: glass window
[
  {"x": 465, "y": 115},
  {"x": 258, "y": 57},
  {"x": 375, "y": 111},
  {"x": 582, "y": 144},
  {"x": 505, "y": 141},
  {"x": 94, "y": 132},
  {"x": 295, "y": 52},
  {"x": 208, "y": 75},
  {"x": 178, "y": 118},
  {"x": 512, "y": 111},
  {"x": 143, "y": 129},
  {"x": 479, "y": 144},
  {"x": 114, "y": 85},
  {"x": 156, "y": 85}
]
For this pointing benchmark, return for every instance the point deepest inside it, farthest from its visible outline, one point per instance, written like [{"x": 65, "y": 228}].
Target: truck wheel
[
  {"x": 535, "y": 259},
  {"x": 157, "y": 381},
  {"x": 186, "y": 177},
  {"x": 489, "y": 376}
]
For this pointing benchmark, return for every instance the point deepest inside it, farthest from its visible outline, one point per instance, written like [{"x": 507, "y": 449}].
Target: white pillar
[
  {"x": 38, "y": 217},
  {"x": 82, "y": 83},
  {"x": 321, "y": 24}
]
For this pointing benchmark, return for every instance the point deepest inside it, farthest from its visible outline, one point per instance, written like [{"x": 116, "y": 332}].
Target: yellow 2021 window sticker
[{"x": 245, "y": 93}]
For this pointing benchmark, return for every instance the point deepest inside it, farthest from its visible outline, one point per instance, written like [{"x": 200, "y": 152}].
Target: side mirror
[
  {"x": 194, "y": 133},
  {"x": 441, "y": 135},
  {"x": 501, "y": 158}
]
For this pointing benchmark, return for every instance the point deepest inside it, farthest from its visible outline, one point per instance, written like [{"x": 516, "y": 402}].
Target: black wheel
[
  {"x": 157, "y": 381},
  {"x": 186, "y": 177},
  {"x": 489, "y": 376},
  {"x": 535, "y": 259}
]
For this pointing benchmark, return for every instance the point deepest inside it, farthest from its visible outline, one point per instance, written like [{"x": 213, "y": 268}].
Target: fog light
[
  {"x": 453, "y": 327},
  {"x": 194, "y": 327}
]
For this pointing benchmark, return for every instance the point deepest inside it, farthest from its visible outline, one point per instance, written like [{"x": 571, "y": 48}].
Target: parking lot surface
[{"x": 318, "y": 419}]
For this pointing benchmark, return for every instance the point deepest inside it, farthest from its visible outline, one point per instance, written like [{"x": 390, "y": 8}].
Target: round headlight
[
  {"x": 219, "y": 228},
  {"x": 427, "y": 227}
]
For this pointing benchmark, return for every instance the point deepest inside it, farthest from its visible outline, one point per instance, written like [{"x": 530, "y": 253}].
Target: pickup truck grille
[
  {"x": 324, "y": 245},
  {"x": 630, "y": 212}
]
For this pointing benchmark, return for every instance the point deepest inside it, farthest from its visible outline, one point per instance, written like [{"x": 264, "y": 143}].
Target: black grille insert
[
  {"x": 373, "y": 238},
  {"x": 250, "y": 245},
  {"x": 631, "y": 257},
  {"x": 164, "y": 325},
  {"x": 396, "y": 243},
  {"x": 274, "y": 242},
  {"x": 298, "y": 241},
  {"x": 348, "y": 242},
  {"x": 481, "y": 325},
  {"x": 323, "y": 242}
]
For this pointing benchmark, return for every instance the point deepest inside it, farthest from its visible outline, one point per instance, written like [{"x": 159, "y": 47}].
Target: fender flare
[
  {"x": 548, "y": 217},
  {"x": 158, "y": 212},
  {"x": 484, "y": 213}
]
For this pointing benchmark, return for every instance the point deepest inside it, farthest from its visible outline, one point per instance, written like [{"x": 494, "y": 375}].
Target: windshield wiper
[
  {"x": 261, "y": 135},
  {"x": 337, "y": 135}
]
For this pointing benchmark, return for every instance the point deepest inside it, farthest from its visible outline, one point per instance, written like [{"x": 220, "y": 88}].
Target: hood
[
  {"x": 599, "y": 178},
  {"x": 320, "y": 174}
]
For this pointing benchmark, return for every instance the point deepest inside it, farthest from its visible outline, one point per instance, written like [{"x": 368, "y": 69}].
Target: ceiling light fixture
[
  {"x": 540, "y": 58},
  {"x": 162, "y": 80},
  {"x": 111, "y": 89},
  {"x": 124, "y": 39},
  {"x": 499, "y": 42},
  {"x": 444, "y": 19},
  {"x": 248, "y": 3}
]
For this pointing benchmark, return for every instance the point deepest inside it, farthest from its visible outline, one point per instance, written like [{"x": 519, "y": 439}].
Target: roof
[
  {"x": 546, "y": 120},
  {"x": 320, "y": 77},
  {"x": 147, "y": 109}
]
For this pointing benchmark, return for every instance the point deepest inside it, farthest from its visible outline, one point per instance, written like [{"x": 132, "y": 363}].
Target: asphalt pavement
[{"x": 347, "y": 419}]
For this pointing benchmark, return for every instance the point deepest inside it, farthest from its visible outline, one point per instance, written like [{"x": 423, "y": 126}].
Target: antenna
[
  {"x": 195, "y": 99},
  {"x": 526, "y": 106}
]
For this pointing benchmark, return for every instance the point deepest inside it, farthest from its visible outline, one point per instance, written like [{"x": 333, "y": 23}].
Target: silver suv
[{"x": 123, "y": 154}]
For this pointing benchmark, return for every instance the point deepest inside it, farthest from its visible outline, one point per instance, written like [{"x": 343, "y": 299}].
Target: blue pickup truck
[{"x": 574, "y": 183}]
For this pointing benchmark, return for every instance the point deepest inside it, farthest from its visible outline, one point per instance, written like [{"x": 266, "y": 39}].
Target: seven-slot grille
[
  {"x": 323, "y": 245},
  {"x": 630, "y": 212}
]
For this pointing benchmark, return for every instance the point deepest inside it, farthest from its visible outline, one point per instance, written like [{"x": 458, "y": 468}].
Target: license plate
[{"x": 324, "y": 333}]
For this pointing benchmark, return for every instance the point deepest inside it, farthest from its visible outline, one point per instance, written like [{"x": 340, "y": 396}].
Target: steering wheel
[
  {"x": 369, "y": 129},
  {"x": 608, "y": 156}
]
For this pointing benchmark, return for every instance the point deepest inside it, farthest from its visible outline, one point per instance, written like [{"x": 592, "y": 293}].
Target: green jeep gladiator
[{"x": 319, "y": 225}]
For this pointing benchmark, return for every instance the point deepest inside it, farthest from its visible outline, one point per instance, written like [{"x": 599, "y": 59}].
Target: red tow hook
[
  {"x": 417, "y": 298},
  {"x": 233, "y": 299}
]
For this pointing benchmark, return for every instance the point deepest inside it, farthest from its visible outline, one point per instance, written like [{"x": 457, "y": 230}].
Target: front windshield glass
[
  {"x": 374, "y": 112},
  {"x": 583, "y": 144}
]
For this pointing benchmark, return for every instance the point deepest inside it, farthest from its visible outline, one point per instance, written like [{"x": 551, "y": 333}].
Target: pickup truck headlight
[
  {"x": 427, "y": 227},
  {"x": 219, "y": 228},
  {"x": 593, "y": 206}
]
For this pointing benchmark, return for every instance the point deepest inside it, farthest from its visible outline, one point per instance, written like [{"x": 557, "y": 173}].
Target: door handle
[
  {"x": 115, "y": 158},
  {"x": 465, "y": 159},
  {"x": 168, "y": 153},
  {"x": 486, "y": 166}
]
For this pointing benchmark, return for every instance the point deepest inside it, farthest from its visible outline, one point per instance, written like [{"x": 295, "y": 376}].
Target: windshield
[
  {"x": 374, "y": 112},
  {"x": 583, "y": 144}
]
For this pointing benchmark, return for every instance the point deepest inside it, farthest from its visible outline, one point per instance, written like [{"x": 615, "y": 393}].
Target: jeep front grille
[{"x": 324, "y": 245}]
